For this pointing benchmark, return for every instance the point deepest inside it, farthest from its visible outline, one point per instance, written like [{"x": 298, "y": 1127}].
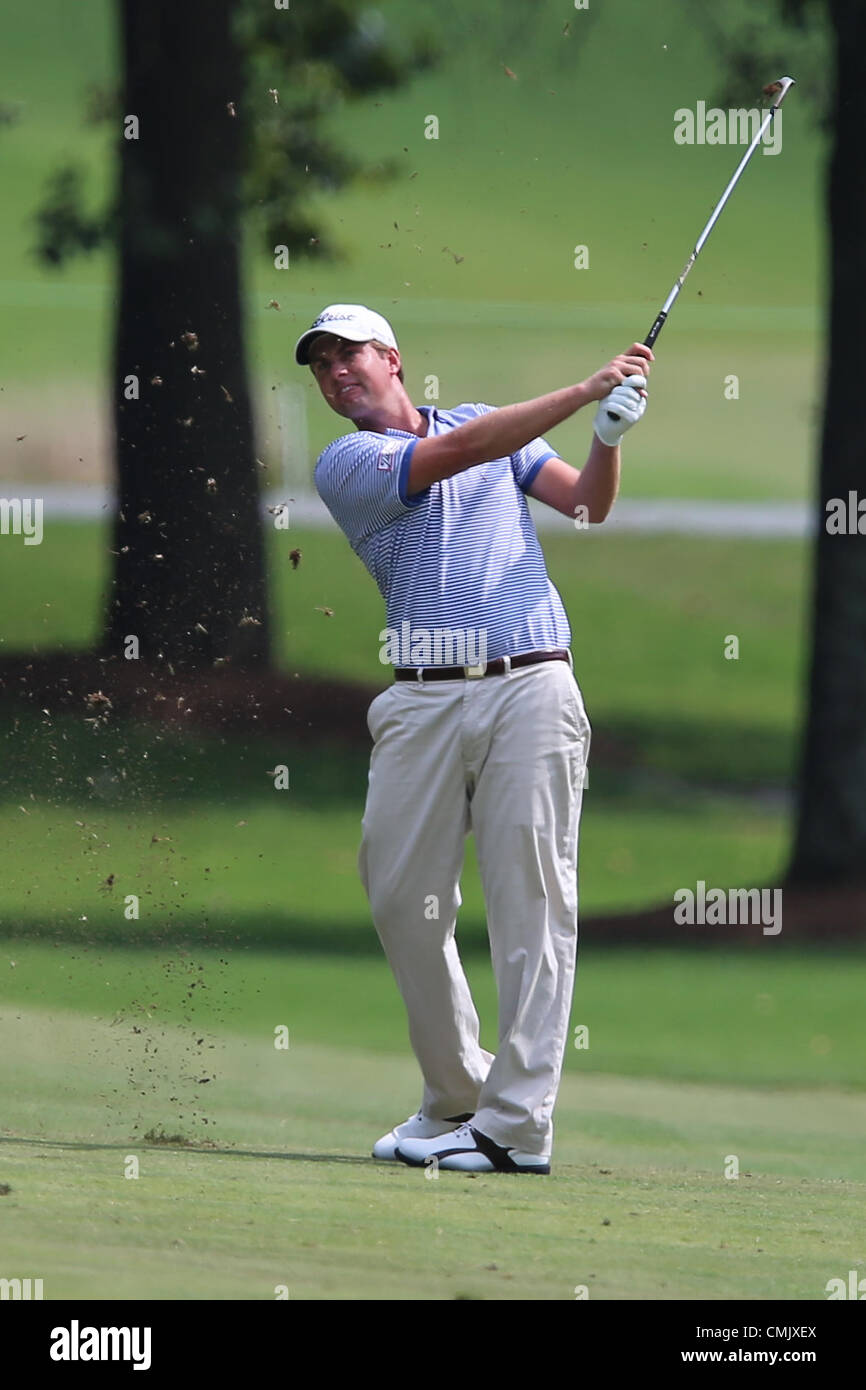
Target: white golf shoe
[
  {"x": 416, "y": 1127},
  {"x": 466, "y": 1150}
]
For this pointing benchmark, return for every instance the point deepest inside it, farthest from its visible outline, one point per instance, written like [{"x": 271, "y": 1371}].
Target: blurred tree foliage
[{"x": 299, "y": 64}]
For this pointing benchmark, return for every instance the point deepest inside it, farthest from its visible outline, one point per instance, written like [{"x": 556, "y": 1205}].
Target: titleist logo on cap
[{"x": 328, "y": 317}]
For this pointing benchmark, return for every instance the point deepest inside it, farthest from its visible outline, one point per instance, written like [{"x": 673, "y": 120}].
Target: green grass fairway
[
  {"x": 167, "y": 917},
  {"x": 770, "y": 1017},
  {"x": 280, "y": 1192}
]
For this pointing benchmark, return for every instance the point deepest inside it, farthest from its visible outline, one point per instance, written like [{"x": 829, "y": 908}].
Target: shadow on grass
[
  {"x": 206, "y": 1150},
  {"x": 294, "y": 936}
]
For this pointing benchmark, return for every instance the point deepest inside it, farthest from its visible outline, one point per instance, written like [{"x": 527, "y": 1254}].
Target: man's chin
[{"x": 348, "y": 407}]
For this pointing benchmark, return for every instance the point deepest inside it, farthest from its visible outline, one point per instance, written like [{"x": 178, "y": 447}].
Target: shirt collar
[{"x": 432, "y": 418}]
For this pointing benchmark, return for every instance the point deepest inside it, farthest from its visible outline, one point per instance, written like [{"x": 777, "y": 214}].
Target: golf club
[{"x": 778, "y": 90}]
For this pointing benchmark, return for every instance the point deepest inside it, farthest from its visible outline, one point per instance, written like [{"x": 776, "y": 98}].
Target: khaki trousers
[{"x": 503, "y": 756}]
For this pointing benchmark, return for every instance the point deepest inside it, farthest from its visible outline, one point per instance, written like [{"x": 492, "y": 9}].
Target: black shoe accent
[
  {"x": 459, "y": 1119},
  {"x": 500, "y": 1157}
]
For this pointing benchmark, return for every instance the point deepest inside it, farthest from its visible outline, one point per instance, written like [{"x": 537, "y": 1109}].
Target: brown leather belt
[{"x": 497, "y": 667}]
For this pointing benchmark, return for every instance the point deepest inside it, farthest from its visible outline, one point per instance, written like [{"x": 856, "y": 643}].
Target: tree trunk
[
  {"x": 189, "y": 573},
  {"x": 830, "y": 843}
]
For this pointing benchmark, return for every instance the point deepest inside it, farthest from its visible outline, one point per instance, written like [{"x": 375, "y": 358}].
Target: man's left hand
[{"x": 628, "y": 402}]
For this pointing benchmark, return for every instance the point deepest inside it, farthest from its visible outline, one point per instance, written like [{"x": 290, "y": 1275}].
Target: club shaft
[
  {"x": 781, "y": 89},
  {"x": 713, "y": 219}
]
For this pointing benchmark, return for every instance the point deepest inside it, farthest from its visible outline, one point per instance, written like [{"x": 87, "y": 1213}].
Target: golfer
[{"x": 483, "y": 728}]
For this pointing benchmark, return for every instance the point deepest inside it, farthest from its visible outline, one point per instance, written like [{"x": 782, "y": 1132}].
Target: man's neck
[{"x": 400, "y": 415}]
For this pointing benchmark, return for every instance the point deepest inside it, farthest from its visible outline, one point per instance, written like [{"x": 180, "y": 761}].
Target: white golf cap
[{"x": 353, "y": 321}]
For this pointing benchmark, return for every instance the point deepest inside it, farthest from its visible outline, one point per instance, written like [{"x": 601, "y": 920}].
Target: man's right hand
[{"x": 635, "y": 362}]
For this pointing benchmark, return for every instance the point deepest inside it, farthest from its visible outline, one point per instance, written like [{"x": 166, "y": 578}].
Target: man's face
[{"x": 355, "y": 379}]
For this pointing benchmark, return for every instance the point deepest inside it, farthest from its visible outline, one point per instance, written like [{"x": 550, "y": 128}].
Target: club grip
[
  {"x": 647, "y": 342},
  {"x": 655, "y": 330}
]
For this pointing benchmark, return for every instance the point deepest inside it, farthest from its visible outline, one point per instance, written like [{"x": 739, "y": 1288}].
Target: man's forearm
[
  {"x": 495, "y": 435},
  {"x": 508, "y": 429},
  {"x": 597, "y": 485}
]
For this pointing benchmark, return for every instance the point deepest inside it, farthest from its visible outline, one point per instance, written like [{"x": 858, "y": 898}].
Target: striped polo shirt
[{"x": 461, "y": 556}]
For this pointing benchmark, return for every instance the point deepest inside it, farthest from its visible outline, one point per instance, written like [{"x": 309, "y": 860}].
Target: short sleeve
[
  {"x": 362, "y": 480},
  {"x": 528, "y": 460}
]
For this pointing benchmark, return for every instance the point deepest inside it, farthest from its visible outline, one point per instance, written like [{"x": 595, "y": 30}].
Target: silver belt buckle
[{"x": 475, "y": 672}]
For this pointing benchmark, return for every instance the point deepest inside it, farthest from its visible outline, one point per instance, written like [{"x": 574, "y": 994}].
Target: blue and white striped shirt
[{"x": 462, "y": 554}]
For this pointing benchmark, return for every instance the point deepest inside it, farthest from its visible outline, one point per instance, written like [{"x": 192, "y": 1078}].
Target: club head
[{"x": 778, "y": 90}]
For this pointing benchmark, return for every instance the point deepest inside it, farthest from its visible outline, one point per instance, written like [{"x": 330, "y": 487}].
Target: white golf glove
[{"x": 625, "y": 402}]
